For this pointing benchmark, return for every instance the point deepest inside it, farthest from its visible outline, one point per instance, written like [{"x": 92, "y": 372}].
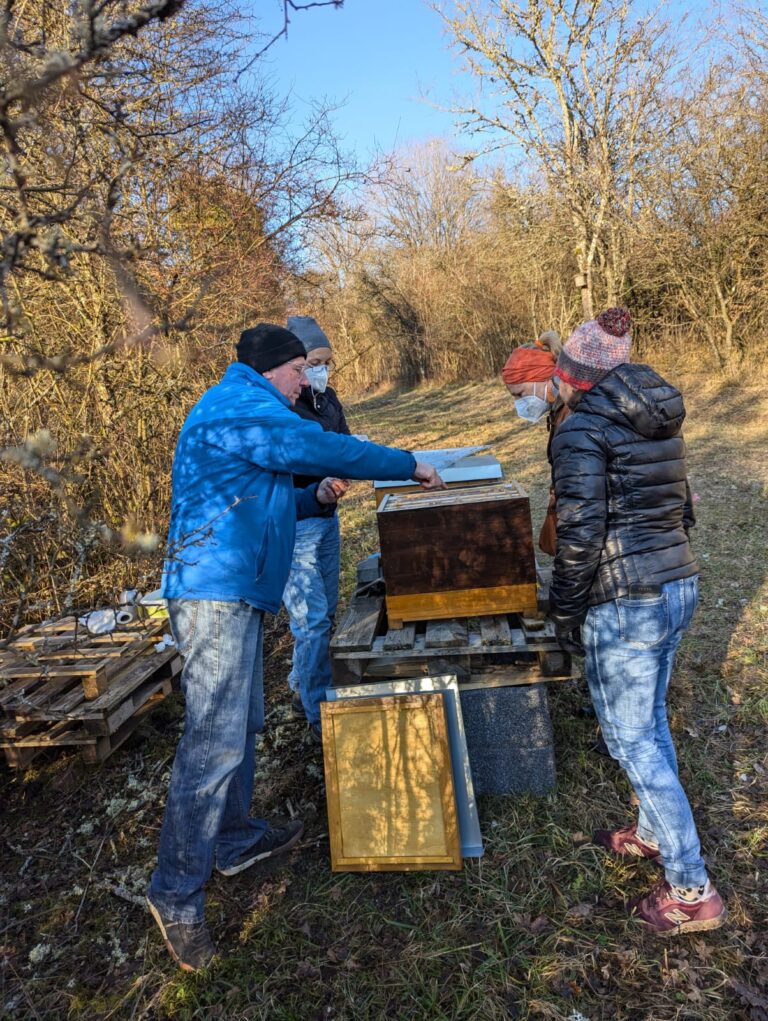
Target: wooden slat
[
  {"x": 82, "y": 641},
  {"x": 59, "y": 735},
  {"x": 474, "y": 647},
  {"x": 27, "y": 697},
  {"x": 359, "y": 625},
  {"x": 51, "y": 702},
  {"x": 446, "y": 634},
  {"x": 105, "y": 746},
  {"x": 46, "y": 679},
  {"x": 399, "y": 638},
  {"x": 94, "y": 680},
  {"x": 87, "y": 654},
  {"x": 50, "y": 627},
  {"x": 348, "y": 671},
  {"x": 50, "y": 672},
  {"x": 495, "y": 631},
  {"x": 517, "y": 637},
  {"x": 510, "y": 679},
  {"x": 10, "y": 729},
  {"x": 135, "y": 674},
  {"x": 20, "y": 758},
  {"x": 134, "y": 701}
]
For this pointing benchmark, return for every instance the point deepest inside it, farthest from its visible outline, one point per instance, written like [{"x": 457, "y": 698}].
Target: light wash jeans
[
  {"x": 207, "y": 812},
  {"x": 311, "y": 597},
  {"x": 630, "y": 650}
]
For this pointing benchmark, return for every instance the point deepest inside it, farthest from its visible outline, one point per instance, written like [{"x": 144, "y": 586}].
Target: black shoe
[
  {"x": 274, "y": 841},
  {"x": 188, "y": 944},
  {"x": 316, "y": 733},
  {"x": 297, "y": 706},
  {"x": 599, "y": 746}
]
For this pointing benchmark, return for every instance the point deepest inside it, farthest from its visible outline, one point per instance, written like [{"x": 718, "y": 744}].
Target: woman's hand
[{"x": 331, "y": 490}]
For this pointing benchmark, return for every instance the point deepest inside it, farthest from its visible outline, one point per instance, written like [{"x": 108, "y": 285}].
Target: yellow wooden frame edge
[{"x": 471, "y": 602}]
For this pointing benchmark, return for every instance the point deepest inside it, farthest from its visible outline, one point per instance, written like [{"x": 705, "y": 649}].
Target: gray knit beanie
[{"x": 308, "y": 332}]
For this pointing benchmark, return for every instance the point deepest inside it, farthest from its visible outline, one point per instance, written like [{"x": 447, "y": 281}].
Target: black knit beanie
[{"x": 266, "y": 346}]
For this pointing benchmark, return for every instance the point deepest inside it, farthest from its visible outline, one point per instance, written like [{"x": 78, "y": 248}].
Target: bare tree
[
  {"x": 708, "y": 221},
  {"x": 150, "y": 192},
  {"x": 576, "y": 90}
]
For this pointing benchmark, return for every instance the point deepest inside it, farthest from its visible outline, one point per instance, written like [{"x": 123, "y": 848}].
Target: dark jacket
[
  {"x": 623, "y": 501},
  {"x": 555, "y": 418},
  {"x": 326, "y": 410}
]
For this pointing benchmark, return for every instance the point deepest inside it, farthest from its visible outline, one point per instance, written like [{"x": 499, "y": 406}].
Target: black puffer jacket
[
  {"x": 623, "y": 500},
  {"x": 325, "y": 409}
]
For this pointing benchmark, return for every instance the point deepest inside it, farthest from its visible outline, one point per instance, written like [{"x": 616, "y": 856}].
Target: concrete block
[
  {"x": 369, "y": 570},
  {"x": 509, "y": 739}
]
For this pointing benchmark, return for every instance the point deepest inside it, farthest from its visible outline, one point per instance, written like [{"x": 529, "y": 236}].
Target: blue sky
[
  {"x": 385, "y": 60},
  {"x": 380, "y": 56}
]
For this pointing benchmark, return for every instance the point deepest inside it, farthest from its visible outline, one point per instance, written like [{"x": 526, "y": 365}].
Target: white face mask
[
  {"x": 532, "y": 408},
  {"x": 317, "y": 376}
]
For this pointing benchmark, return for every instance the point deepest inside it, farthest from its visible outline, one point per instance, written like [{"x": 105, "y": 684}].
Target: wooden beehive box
[{"x": 464, "y": 552}]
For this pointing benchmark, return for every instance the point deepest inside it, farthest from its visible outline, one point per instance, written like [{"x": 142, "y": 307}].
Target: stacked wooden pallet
[
  {"x": 61, "y": 686},
  {"x": 505, "y": 649}
]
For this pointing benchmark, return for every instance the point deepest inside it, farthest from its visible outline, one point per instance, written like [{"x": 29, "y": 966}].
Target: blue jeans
[
  {"x": 207, "y": 812},
  {"x": 311, "y": 597},
  {"x": 630, "y": 650}
]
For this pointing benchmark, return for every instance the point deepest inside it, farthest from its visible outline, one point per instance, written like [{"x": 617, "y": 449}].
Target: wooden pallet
[
  {"x": 93, "y": 748},
  {"x": 54, "y": 668},
  {"x": 42, "y": 711},
  {"x": 481, "y": 651}
]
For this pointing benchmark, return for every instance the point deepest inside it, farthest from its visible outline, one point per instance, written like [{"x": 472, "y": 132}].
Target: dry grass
[{"x": 533, "y": 930}]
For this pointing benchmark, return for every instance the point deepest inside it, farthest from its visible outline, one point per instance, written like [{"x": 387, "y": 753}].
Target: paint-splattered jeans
[
  {"x": 630, "y": 650},
  {"x": 311, "y": 596}
]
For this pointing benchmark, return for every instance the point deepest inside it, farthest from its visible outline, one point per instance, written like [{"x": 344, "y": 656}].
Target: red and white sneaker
[
  {"x": 626, "y": 844},
  {"x": 664, "y": 914}
]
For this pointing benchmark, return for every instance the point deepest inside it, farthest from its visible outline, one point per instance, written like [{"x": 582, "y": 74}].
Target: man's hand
[
  {"x": 427, "y": 477},
  {"x": 331, "y": 490},
  {"x": 569, "y": 640}
]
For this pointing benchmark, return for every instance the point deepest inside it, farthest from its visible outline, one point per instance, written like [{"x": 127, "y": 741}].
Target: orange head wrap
[{"x": 528, "y": 365}]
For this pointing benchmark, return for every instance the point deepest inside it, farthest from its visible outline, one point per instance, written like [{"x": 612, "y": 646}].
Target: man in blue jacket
[{"x": 233, "y": 518}]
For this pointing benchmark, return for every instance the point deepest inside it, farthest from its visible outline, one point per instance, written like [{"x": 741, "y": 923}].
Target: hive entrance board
[
  {"x": 391, "y": 802},
  {"x": 466, "y": 552}
]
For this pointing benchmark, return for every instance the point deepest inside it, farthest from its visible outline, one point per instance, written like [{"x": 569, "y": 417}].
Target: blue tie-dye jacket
[{"x": 234, "y": 507}]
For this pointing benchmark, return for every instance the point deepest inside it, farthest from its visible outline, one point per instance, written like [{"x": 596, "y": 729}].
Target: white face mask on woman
[
  {"x": 317, "y": 376},
  {"x": 532, "y": 408}
]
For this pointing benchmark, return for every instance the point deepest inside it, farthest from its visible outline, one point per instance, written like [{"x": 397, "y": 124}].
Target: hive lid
[{"x": 466, "y": 468}]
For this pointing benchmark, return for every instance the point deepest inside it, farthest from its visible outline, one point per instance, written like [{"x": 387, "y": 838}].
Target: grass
[{"x": 535, "y": 929}]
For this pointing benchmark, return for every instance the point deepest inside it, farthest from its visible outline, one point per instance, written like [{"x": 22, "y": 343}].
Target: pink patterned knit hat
[{"x": 594, "y": 348}]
